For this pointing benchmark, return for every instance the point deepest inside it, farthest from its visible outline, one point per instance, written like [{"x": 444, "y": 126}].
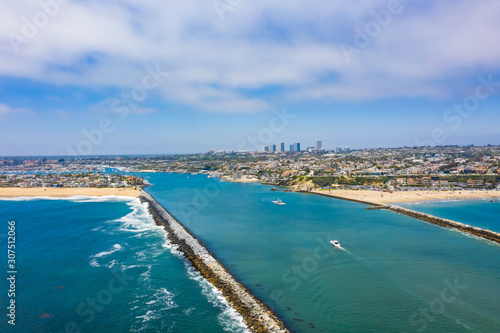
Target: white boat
[
  {"x": 335, "y": 243},
  {"x": 279, "y": 202}
]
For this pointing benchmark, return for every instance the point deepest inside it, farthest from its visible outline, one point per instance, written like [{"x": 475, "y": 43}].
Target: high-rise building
[
  {"x": 281, "y": 146},
  {"x": 266, "y": 148},
  {"x": 296, "y": 147},
  {"x": 274, "y": 148},
  {"x": 292, "y": 147},
  {"x": 319, "y": 145}
]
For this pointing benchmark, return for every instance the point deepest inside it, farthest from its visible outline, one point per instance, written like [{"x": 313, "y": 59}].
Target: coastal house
[
  {"x": 481, "y": 169},
  {"x": 401, "y": 181},
  {"x": 475, "y": 183},
  {"x": 426, "y": 181}
]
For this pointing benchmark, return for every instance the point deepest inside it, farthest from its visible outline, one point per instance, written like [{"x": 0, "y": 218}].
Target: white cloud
[
  {"x": 8, "y": 111},
  {"x": 218, "y": 65}
]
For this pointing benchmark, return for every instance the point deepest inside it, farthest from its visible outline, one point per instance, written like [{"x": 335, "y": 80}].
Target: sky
[{"x": 81, "y": 77}]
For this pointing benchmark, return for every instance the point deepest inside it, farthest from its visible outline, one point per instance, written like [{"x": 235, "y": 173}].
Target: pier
[{"x": 258, "y": 317}]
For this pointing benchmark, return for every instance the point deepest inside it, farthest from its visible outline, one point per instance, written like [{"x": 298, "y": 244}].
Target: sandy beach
[
  {"x": 65, "y": 192},
  {"x": 412, "y": 196},
  {"x": 243, "y": 180}
]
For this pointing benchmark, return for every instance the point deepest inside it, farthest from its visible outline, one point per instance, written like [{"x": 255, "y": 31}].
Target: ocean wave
[
  {"x": 111, "y": 264},
  {"x": 106, "y": 198},
  {"x": 116, "y": 247},
  {"x": 151, "y": 309},
  {"x": 138, "y": 220},
  {"x": 229, "y": 318},
  {"x": 75, "y": 198},
  {"x": 94, "y": 263},
  {"x": 30, "y": 198},
  {"x": 173, "y": 248},
  {"x": 146, "y": 276},
  {"x": 148, "y": 316}
]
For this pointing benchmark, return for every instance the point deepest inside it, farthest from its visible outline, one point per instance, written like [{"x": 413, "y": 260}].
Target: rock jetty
[
  {"x": 487, "y": 234},
  {"x": 258, "y": 317}
]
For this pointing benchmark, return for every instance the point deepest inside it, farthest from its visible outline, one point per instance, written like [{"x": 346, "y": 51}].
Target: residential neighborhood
[{"x": 407, "y": 168}]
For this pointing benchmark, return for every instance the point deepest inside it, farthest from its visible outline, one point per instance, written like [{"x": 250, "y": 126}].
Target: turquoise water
[
  {"x": 479, "y": 213},
  {"x": 392, "y": 275},
  {"x": 103, "y": 267}
]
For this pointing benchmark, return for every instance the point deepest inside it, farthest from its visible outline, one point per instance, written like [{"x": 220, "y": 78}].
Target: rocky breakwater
[
  {"x": 487, "y": 234},
  {"x": 257, "y": 316}
]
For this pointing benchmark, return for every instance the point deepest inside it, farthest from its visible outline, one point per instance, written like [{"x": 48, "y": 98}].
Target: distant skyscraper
[
  {"x": 274, "y": 147},
  {"x": 295, "y": 147},
  {"x": 266, "y": 148},
  {"x": 291, "y": 147},
  {"x": 281, "y": 146},
  {"x": 319, "y": 145}
]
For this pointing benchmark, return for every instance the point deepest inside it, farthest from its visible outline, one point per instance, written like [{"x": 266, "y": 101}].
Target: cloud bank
[{"x": 225, "y": 56}]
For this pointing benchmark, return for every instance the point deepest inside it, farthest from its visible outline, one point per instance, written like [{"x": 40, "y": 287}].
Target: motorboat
[
  {"x": 279, "y": 202},
  {"x": 335, "y": 243}
]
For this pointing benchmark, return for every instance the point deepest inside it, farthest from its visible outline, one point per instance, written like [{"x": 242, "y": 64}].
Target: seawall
[
  {"x": 258, "y": 317},
  {"x": 487, "y": 234}
]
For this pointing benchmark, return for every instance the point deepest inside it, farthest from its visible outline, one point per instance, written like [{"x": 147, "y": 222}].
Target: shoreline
[
  {"x": 382, "y": 198},
  {"x": 258, "y": 317},
  {"x": 62, "y": 192}
]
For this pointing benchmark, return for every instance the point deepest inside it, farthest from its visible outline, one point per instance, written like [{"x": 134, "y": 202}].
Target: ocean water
[
  {"x": 479, "y": 213},
  {"x": 393, "y": 273},
  {"x": 102, "y": 265}
]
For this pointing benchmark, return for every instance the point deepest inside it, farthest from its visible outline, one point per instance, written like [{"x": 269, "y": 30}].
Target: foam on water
[
  {"x": 75, "y": 198},
  {"x": 150, "y": 306},
  {"x": 230, "y": 319},
  {"x": 116, "y": 247},
  {"x": 94, "y": 263},
  {"x": 138, "y": 220},
  {"x": 152, "y": 302}
]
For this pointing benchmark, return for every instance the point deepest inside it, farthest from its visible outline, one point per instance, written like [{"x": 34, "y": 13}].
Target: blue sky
[{"x": 183, "y": 77}]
